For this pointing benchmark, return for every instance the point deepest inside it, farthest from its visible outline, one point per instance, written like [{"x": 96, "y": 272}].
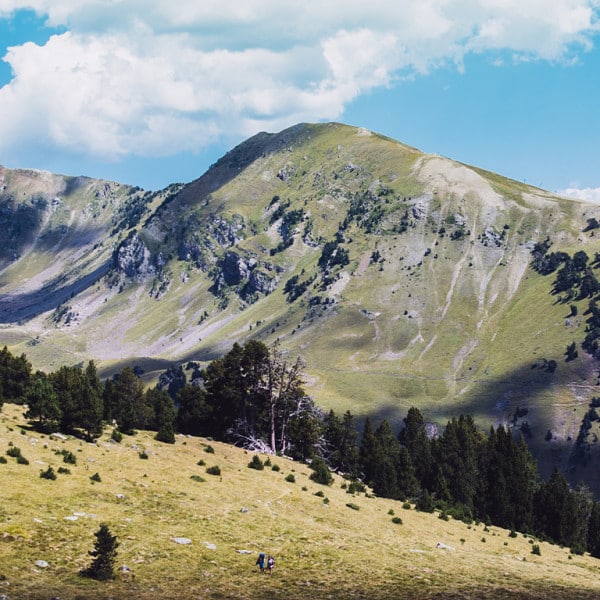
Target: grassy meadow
[{"x": 330, "y": 545}]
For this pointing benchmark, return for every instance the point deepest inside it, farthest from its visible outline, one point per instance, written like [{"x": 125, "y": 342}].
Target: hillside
[
  {"x": 403, "y": 279},
  {"x": 323, "y": 547}
]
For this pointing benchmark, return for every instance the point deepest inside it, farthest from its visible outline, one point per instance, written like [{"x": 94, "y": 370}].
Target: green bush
[
  {"x": 48, "y": 474},
  {"x": 356, "y": 487},
  {"x": 406, "y": 505},
  {"x": 320, "y": 494},
  {"x": 535, "y": 549},
  {"x": 116, "y": 436},
  {"x": 353, "y": 506},
  {"x": 209, "y": 449},
  {"x": 21, "y": 460},
  {"x": 13, "y": 452},
  {"x": 425, "y": 503},
  {"x": 3, "y": 460},
  {"x": 397, "y": 520},
  {"x": 512, "y": 534},
  {"x": 321, "y": 473},
  {"x": 143, "y": 455},
  {"x": 256, "y": 463},
  {"x": 63, "y": 471},
  {"x": 275, "y": 468},
  {"x": 197, "y": 478},
  {"x": 291, "y": 478},
  {"x": 201, "y": 463},
  {"x": 96, "y": 477},
  {"x": 69, "y": 457},
  {"x": 215, "y": 470}
]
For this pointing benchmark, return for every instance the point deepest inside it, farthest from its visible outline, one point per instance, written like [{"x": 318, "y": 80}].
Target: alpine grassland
[{"x": 184, "y": 533}]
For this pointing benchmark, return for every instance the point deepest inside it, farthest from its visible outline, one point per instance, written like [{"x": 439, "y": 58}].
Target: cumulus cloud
[
  {"x": 587, "y": 194},
  {"x": 155, "y": 77}
]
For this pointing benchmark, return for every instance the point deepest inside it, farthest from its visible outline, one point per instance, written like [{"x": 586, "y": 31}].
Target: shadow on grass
[{"x": 22, "y": 307}]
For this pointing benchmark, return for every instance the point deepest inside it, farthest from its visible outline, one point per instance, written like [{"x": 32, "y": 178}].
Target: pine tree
[
  {"x": 414, "y": 438},
  {"x": 127, "y": 401},
  {"x": 91, "y": 405},
  {"x": 456, "y": 454},
  {"x": 593, "y": 541},
  {"x": 42, "y": 402},
  {"x": 193, "y": 415},
  {"x": 385, "y": 477},
  {"x": 164, "y": 413},
  {"x": 104, "y": 553},
  {"x": 370, "y": 452}
]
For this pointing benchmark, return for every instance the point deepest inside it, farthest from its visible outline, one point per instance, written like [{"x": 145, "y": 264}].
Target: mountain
[{"x": 404, "y": 279}]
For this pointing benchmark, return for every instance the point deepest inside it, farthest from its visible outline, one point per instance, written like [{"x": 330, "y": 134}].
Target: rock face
[
  {"x": 245, "y": 275},
  {"x": 133, "y": 258}
]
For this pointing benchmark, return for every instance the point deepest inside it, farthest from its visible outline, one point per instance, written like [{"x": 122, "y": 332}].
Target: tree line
[{"x": 253, "y": 397}]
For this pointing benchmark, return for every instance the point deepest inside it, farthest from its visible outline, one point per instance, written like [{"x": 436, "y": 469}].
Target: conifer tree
[
  {"x": 414, "y": 438},
  {"x": 550, "y": 504},
  {"x": 164, "y": 413},
  {"x": 127, "y": 401},
  {"x": 370, "y": 452},
  {"x": 456, "y": 452},
  {"x": 91, "y": 405},
  {"x": 193, "y": 415},
  {"x": 15, "y": 374},
  {"x": 104, "y": 554},
  {"x": 42, "y": 402},
  {"x": 385, "y": 477},
  {"x": 593, "y": 541}
]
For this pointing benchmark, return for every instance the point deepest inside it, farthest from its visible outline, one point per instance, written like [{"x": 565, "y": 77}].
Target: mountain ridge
[{"x": 403, "y": 278}]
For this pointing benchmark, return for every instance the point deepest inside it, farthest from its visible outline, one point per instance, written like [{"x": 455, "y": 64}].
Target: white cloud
[
  {"x": 587, "y": 194},
  {"x": 152, "y": 77}
]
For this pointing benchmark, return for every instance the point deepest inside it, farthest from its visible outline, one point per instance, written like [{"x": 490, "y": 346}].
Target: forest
[{"x": 253, "y": 397}]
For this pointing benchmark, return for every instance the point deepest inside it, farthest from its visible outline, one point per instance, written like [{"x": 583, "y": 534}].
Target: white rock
[
  {"x": 443, "y": 546},
  {"x": 181, "y": 540},
  {"x": 42, "y": 564}
]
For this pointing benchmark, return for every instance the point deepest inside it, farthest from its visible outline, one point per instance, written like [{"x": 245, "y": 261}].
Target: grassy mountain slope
[
  {"x": 323, "y": 547},
  {"x": 403, "y": 278}
]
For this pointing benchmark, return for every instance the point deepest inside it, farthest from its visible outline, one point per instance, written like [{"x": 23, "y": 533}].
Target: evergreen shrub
[
  {"x": 256, "y": 463},
  {"x": 104, "y": 553},
  {"x": 13, "y": 451},
  {"x": 48, "y": 474},
  {"x": 321, "y": 473}
]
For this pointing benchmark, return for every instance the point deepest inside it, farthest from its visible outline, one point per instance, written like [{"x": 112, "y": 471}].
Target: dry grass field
[{"x": 324, "y": 548}]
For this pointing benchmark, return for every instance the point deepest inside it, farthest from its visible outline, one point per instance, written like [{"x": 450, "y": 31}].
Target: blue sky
[{"x": 150, "y": 92}]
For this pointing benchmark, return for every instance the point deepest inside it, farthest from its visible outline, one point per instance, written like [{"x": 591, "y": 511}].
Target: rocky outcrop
[
  {"x": 245, "y": 275},
  {"x": 133, "y": 258}
]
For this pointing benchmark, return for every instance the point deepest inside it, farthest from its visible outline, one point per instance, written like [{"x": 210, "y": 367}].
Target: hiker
[
  {"x": 271, "y": 564},
  {"x": 260, "y": 561}
]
